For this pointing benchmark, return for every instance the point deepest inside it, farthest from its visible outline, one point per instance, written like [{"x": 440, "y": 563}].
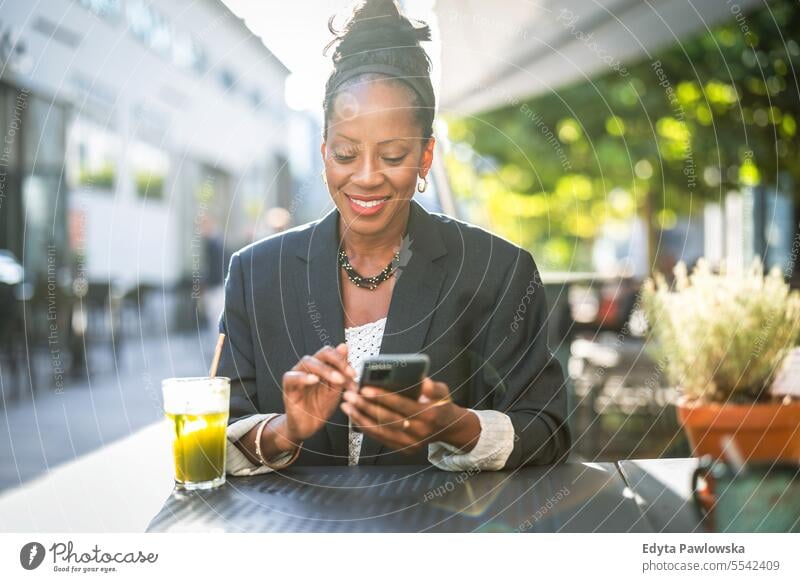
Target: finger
[
  {"x": 336, "y": 356},
  {"x": 327, "y": 373},
  {"x": 403, "y": 447},
  {"x": 337, "y": 359},
  {"x": 395, "y": 439},
  {"x": 388, "y": 442},
  {"x": 381, "y": 415},
  {"x": 397, "y": 403},
  {"x": 294, "y": 379},
  {"x": 434, "y": 390}
]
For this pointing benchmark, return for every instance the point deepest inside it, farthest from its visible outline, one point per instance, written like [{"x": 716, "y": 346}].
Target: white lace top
[{"x": 363, "y": 341}]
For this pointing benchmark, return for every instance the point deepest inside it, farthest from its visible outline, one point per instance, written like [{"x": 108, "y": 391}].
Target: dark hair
[{"x": 376, "y": 33}]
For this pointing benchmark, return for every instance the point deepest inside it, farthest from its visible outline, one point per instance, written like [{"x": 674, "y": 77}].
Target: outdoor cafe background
[{"x": 144, "y": 142}]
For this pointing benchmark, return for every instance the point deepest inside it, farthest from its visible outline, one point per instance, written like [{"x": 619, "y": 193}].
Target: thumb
[{"x": 433, "y": 391}]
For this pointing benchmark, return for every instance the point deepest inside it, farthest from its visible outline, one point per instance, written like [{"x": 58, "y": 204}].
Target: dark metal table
[
  {"x": 575, "y": 497},
  {"x": 662, "y": 490}
]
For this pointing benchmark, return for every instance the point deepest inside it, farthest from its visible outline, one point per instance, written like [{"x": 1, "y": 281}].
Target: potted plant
[{"x": 721, "y": 338}]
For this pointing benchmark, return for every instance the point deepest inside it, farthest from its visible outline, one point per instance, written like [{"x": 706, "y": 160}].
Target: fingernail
[
  {"x": 349, "y": 396},
  {"x": 312, "y": 378},
  {"x": 368, "y": 392},
  {"x": 337, "y": 377}
]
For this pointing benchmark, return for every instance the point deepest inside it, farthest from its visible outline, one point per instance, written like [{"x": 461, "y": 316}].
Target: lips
[{"x": 367, "y": 205}]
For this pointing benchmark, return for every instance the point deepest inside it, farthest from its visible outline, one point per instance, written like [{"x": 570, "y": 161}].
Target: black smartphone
[{"x": 398, "y": 373}]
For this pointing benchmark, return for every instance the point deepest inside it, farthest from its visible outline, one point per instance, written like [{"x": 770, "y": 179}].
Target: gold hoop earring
[{"x": 423, "y": 186}]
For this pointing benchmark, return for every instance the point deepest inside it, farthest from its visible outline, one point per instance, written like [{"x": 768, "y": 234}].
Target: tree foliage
[{"x": 709, "y": 114}]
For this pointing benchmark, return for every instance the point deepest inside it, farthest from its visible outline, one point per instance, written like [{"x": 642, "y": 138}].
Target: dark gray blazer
[{"x": 470, "y": 300}]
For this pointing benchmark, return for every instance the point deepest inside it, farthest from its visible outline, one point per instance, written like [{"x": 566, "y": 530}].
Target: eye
[
  {"x": 394, "y": 161},
  {"x": 343, "y": 156}
]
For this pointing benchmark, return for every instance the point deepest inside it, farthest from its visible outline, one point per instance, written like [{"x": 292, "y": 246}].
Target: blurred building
[
  {"x": 758, "y": 221},
  {"x": 138, "y": 135}
]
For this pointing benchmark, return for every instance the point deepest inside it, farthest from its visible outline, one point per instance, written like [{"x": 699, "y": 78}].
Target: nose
[{"x": 367, "y": 175}]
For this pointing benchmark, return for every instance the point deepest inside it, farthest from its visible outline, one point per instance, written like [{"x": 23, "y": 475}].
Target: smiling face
[{"x": 373, "y": 154}]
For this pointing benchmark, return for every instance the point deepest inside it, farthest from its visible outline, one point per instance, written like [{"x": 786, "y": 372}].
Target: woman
[{"x": 379, "y": 274}]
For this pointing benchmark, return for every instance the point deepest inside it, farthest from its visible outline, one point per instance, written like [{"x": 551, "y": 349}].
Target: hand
[
  {"x": 313, "y": 388},
  {"x": 433, "y": 417}
]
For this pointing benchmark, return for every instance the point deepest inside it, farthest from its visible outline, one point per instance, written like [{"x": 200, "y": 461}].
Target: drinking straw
[{"x": 217, "y": 353}]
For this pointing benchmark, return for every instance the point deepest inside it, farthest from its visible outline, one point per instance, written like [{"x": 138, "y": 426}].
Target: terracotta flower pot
[{"x": 764, "y": 432}]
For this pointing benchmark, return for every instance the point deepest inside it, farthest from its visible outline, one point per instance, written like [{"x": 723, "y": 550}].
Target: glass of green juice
[{"x": 197, "y": 410}]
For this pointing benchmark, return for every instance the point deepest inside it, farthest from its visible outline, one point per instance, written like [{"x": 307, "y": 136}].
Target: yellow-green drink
[
  {"x": 197, "y": 415},
  {"x": 198, "y": 445}
]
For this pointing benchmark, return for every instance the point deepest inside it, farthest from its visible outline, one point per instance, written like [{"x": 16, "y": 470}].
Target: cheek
[
  {"x": 403, "y": 179},
  {"x": 334, "y": 174}
]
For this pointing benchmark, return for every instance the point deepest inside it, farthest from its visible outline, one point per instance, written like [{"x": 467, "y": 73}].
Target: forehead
[{"x": 374, "y": 111}]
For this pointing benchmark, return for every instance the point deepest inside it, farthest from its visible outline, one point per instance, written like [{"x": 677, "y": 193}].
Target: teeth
[{"x": 370, "y": 204}]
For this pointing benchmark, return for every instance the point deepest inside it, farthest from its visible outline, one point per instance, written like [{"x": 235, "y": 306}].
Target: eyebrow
[{"x": 379, "y": 143}]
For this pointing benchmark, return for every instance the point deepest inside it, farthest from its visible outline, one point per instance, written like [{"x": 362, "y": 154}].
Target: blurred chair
[
  {"x": 97, "y": 323},
  {"x": 12, "y": 353},
  {"x": 622, "y": 407}
]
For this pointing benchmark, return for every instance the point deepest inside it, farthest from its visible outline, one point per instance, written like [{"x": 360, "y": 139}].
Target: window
[
  {"x": 92, "y": 156},
  {"x": 228, "y": 79},
  {"x": 149, "y": 26},
  {"x": 108, "y": 9},
  {"x": 149, "y": 166},
  {"x": 188, "y": 55},
  {"x": 153, "y": 30}
]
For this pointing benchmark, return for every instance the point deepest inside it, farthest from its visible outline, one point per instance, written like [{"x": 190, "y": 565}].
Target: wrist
[
  {"x": 282, "y": 438},
  {"x": 265, "y": 457},
  {"x": 461, "y": 427}
]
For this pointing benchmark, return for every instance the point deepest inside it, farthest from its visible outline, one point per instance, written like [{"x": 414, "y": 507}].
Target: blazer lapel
[
  {"x": 414, "y": 299},
  {"x": 321, "y": 313}
]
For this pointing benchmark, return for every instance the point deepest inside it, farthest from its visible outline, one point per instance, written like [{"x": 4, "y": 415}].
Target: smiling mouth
[{"x": 368, "y": 203}]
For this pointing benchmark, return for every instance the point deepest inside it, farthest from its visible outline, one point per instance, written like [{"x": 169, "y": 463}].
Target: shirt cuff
[
  {"x": 490, "y": 453},
  {"x": 236, "y": 463}
]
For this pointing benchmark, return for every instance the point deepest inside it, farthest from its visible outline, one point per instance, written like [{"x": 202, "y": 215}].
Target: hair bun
[{"x": 375, "y": 25}]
